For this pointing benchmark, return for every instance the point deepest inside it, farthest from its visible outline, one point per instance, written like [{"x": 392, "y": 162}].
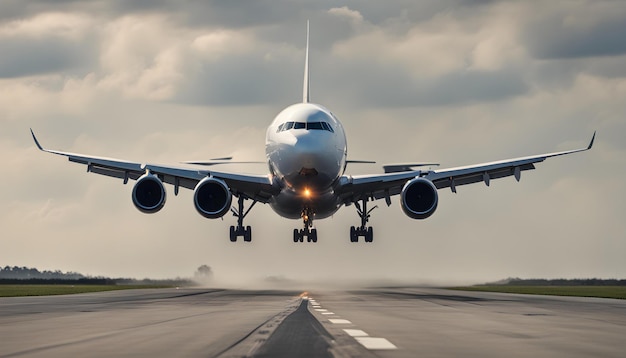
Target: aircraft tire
[
  {"x": 233, "y": 235},
  {"x": 247, "y": 234}
]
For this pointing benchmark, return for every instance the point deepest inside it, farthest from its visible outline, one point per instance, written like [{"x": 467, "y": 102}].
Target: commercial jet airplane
[{"x": 307, "y": 157}]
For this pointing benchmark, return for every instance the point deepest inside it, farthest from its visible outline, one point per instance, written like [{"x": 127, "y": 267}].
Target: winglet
[
  {"x": 592, "y": 139},
  {"x": 36, "y": 141},
  {"x": 305, "y": 87}
]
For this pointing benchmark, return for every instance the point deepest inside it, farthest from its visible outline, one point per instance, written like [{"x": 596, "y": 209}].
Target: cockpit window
[
  {"x": 305, "y": 125},
  {"x": 314, "y": 125}
]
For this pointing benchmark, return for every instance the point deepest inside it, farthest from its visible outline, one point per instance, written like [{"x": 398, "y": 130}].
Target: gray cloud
[
  {"x": 27, "y": 57},
  {"x": 246, "y": 80},
  {"x": 386, "y": 86},
  {"x": 551, "y": 37}
]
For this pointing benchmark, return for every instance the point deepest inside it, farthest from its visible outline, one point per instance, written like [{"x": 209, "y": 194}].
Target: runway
[{"x": 382, "y": 322}]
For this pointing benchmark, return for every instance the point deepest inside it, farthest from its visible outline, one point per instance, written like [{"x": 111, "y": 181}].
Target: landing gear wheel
[
  {"x": 369, "y": 237},
  {"x": 353, "y": 236},
  {"x": 296, "y": 235},
  {"x": 311, "y": 236},
  {"x": 233, "y": 234},
  {"x": 247, "y": 235}
]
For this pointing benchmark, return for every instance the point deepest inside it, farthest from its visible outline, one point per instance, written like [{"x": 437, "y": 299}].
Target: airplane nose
[
  {"x": 312, "y": 151},
  {"x": 313, "y": 162}
]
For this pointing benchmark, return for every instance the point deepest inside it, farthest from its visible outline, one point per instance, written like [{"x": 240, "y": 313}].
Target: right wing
[
  {"x": 484, "y": 172},
  {"x": 382, "y": 186},
  {"x": 256, "y": 187}
]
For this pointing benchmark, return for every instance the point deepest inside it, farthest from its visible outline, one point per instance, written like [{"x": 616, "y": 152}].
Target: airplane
[{"x": 307, "y": 157}]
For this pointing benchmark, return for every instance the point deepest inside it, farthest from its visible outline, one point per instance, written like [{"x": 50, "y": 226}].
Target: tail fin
[{"x": 305, "y": 89}]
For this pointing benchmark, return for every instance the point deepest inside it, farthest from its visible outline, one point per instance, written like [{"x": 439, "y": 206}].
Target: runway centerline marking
[
  {"x": 375, "y": 343},
  {"x": 371, "y": 343},
  {"x": 339, "y": 321},
  {"x": 355, "y": 333}
]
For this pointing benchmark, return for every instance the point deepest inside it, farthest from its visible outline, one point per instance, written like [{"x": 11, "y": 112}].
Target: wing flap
[{"x": 476, "y": 177}]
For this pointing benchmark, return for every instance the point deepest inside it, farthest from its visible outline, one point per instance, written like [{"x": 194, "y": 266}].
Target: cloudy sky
[{"x": 455, "y": 82}]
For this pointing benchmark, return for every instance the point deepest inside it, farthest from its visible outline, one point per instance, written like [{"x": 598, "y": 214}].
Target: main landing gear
[
  {"x": 308, "y": 231},
  {"x": 366, "y": 231},
  {"x": 240, "y": 230}
]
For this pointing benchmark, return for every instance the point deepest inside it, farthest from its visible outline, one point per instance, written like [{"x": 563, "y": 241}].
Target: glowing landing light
[{"x": 307, "y": 193}]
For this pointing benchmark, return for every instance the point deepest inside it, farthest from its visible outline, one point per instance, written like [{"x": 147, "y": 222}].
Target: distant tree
[{"x": 203, "y": 274}]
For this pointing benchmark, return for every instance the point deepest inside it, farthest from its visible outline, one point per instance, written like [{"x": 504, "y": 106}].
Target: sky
[{"x": 446, "y": 81}]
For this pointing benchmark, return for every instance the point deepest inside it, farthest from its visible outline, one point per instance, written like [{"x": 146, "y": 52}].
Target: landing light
[{"x": 307, "y": 193}]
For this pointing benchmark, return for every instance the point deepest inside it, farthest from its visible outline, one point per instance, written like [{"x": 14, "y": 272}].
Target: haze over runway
[
  {"x": 389, "y": 322},
  {"x": 450, "y": 82}
]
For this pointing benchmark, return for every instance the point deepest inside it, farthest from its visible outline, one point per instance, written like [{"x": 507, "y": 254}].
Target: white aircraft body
[{"x": 307, "y": 157}]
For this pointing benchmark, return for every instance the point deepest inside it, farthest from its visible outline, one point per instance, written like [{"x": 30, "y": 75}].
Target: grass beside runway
[
  {"x": 580, "y": 291},
  {"x": 46, "y": 290}
]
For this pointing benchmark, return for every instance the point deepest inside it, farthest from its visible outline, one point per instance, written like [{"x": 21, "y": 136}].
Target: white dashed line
[
  {"x": 371, "y": 343},
  {"x": 375, "y": 343},
  {"x": 339, "y": 321},
  {"x": 355, "y": 333}
]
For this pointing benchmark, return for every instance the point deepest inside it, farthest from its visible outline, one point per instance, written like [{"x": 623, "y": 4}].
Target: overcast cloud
[{"x": 455, "y": 82}]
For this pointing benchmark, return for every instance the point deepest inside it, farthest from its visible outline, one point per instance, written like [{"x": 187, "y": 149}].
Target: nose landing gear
[{"x": 308, "y": 231}]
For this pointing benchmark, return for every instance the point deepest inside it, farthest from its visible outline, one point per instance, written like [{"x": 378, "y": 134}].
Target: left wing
[
  {"x": 257, "y": 187},
  {"x": 355, "y": 188}
]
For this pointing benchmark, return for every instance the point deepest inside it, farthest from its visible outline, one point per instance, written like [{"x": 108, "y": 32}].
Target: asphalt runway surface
[{"x": 382, "y": 322}]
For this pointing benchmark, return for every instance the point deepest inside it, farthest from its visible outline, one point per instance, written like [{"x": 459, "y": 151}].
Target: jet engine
[
  {"x": 419, "y": 198},
  {"x": 149, "y": 194},
  {"x": 212, "y": 198}
]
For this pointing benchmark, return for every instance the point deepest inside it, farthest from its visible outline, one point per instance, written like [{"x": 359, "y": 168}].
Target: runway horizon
[{"x": 384, "y": 322}]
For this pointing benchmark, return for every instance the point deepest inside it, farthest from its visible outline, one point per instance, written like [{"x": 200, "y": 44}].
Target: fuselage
[{"x": 306, "y": 152}]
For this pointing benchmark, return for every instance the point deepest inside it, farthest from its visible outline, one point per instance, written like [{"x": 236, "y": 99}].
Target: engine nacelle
[
  {"x": 149, "y": 194},
  {"x": 419, "y": 198},
  {"x": 212, "y": 198}
]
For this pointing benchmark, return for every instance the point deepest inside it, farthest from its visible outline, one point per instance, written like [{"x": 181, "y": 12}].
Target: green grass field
[
  {"x": 581, "y": 291},
  {"x": 46, "y": 290}
]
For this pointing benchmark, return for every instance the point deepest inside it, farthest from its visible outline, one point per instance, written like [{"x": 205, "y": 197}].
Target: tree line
[
  {"x": 25, "y": 275},
  {"x": 560, "y": 282},
  {"x": 21, "y": 273}
]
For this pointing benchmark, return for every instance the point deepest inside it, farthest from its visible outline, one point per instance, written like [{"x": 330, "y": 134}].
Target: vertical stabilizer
[{"x": 305, "y": 88}]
